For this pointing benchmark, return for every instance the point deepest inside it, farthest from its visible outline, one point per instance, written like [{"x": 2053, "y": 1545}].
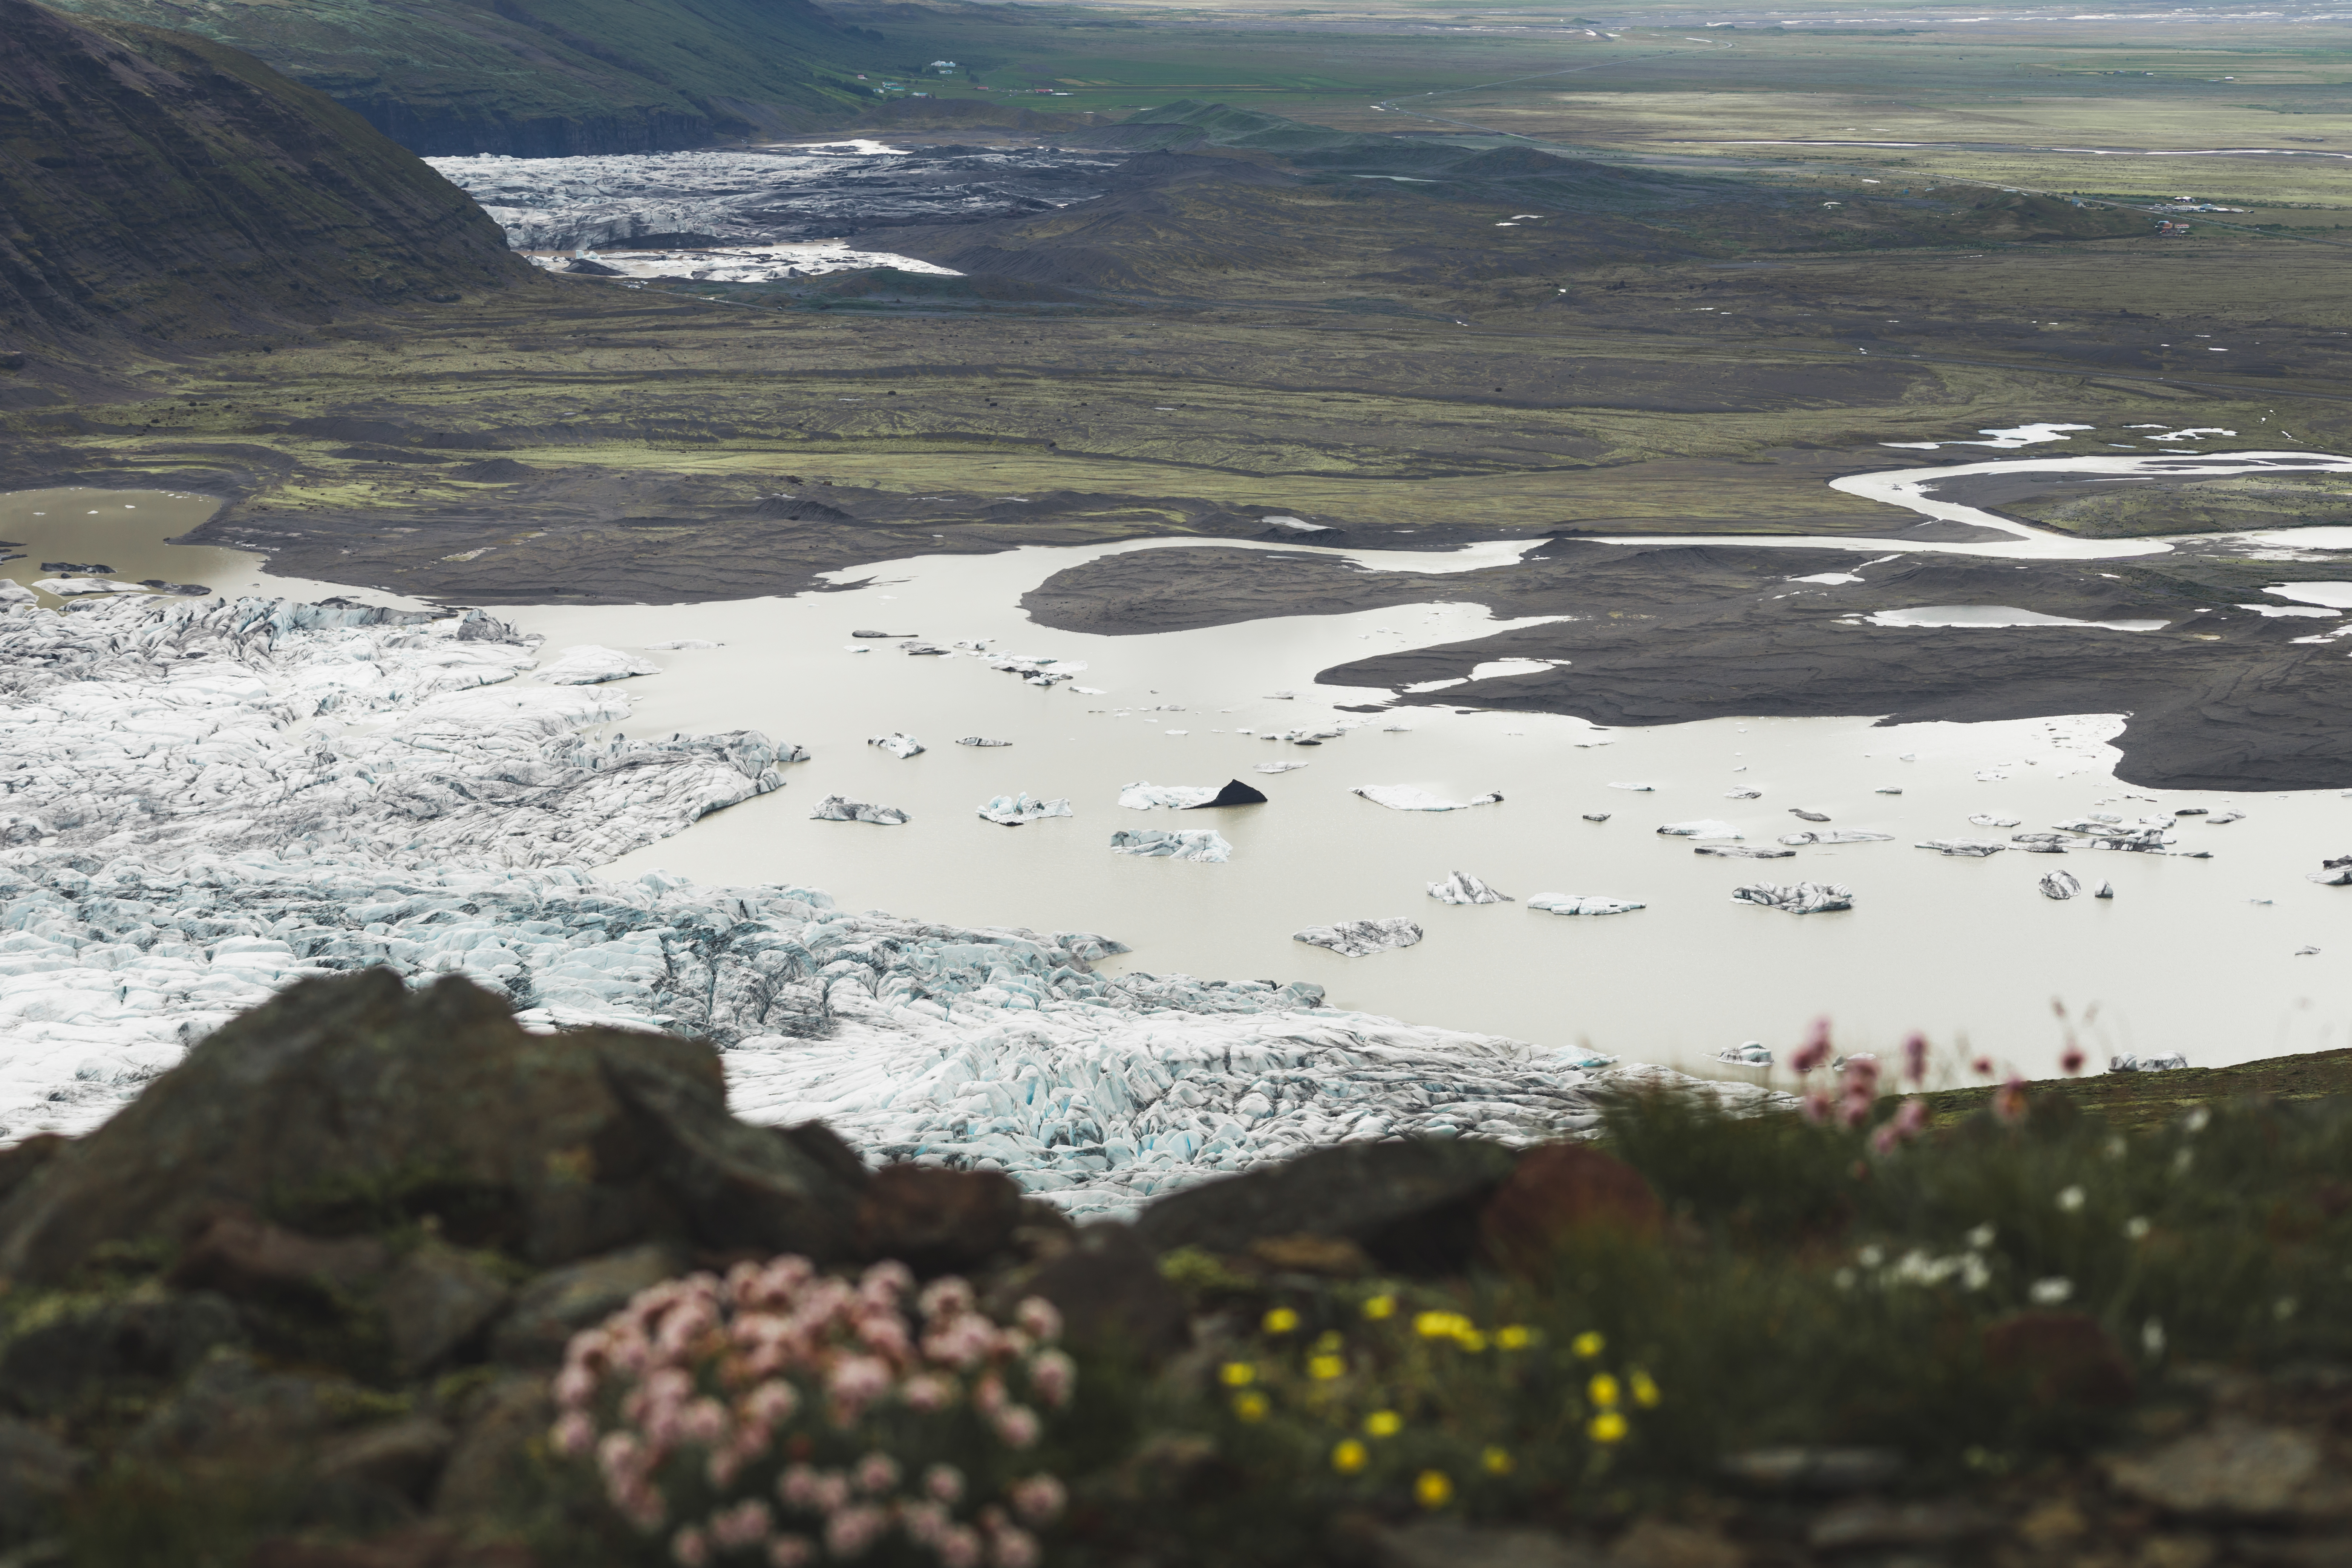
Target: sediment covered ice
[
  {"x": 1462, "y": 888},
  {"x": 1359, "y": 939},
  {"x": 1706, "y": 829},
  {"x": 2061, "y": 885},
  {"x": 841, "y": 808},
  {"x": 1744, "y": 852},
  {"x": 1581, "y": 904},
  {"x": 1157, "y": 844},
  {"x": 1974, "y": 848},
  {"x": 1014, "y": 810},
  {"x": 1796, "y": 897},
  {"x": 1835, "y": 835}
]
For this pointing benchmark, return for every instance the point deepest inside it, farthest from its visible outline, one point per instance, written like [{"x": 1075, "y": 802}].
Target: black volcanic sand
[{"x": 2222, "y": 699}]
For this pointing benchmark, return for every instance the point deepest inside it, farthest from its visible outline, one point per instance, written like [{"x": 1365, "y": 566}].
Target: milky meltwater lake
[{"x": 2199, "y": 956}]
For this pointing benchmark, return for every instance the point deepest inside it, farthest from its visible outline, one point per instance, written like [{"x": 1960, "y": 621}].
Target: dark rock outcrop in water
[{"x": 159, "y": 184}]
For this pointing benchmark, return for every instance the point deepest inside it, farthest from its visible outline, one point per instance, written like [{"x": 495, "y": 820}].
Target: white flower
[
  {"x": 2197, "y": 1119},
  {"x": 1842, "y": 1278},
  {"x": 1981, "y": 1237},
  {"x": 2049, "y": 1292},
  {"x": 2151, "y": 1338},
  {"x": 2137, "y": 1226},
  {"x": 2070, "y": 1199},
  {"x": 1871, "y": 1257},
  {"x": 1974, "y": 1275}
]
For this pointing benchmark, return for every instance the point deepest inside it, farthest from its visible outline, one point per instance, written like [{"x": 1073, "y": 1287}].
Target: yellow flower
[
  {"x": 1497, "y": 1460},
  {"x": 1237, "y": 1374},
  {"x": 1349, "y": 1456},
  {"x": 1645, "y": 1392},
  {"x": 1432, "y": 1489},
  {"x": 1379, "y": 1307},
  {"x": 1440, "y": 1325},
  {"x": 1383, "y": 1423},
  {"x": 1602, "y": 1391},
  {"x": 1281, "y": 1321},
  {"x": 1329, "y": 1339},
  {"x": 1515, "y": 1337},
  {"x": 1608, "y": 1427},
  {"x": 1588, "y": 1345},
  {"x": 1251, "y": 1406},
  {"x": 1324, "y": 1368},
  {"x": 1471, "y": 1339}
]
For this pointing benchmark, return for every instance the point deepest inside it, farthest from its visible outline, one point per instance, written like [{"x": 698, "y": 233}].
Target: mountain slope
[
  {"x": 542, "y": 78},
  {"x": 158, "y": 183}
]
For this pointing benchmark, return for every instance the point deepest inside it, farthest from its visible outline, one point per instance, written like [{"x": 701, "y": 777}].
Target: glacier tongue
[
  {"x": 190, "y": 820},
  {"x": 992, "y": 1047},
  {"x": 180, "y": 726}
]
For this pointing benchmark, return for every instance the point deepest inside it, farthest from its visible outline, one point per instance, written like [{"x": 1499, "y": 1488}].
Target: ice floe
[
  {"x": 592, "y": 666},
  {"x": 898, "y": 745},
  {"x": 1013, "y": 810},
  {"x": 1796, "y": 897},
  {"x": 1406, "y": 797},
  {"x": 2172, "y": 1063},
  {"x": 1154, "y": 843},
  {"x": 2060, "y": 884},
  {"x": 1581, "y": 904},
  {"x": 1743, "y": 852},
  {"x": 1706, "y": 827},
  {"x": 1188, "y": 797},
  {"x": 841, "y": 808},
  {"x": 1462, "y": 888},
  {"x": 1835, "y": 835},
  {"x": 1359, "y": 939},
  {"x": 1977, "y": 848}
]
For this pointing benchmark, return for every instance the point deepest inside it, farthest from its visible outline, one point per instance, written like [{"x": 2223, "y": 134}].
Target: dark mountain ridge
[{"x": 158, "y": 185}]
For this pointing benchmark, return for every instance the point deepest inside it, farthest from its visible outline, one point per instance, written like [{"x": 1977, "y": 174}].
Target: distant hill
[
  {"x": 542, "y": 78},
  {"x": 157, "y": 183}
]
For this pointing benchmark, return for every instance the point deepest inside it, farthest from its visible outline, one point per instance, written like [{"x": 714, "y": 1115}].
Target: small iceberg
[
  {"x": 1154, "y": 844},
  {"x": 1748, "y": 1052},
  {"x": 1975, "y": 848},
  {"x": 2336, "y": 873},
  {"x": 1598, "y": 815},
  {"x": 1279, "y": 767},
  {"x": 1796, "y": 897},
  {"x": 1013, "y": 810},
  {"x": 1987, "y": 819},
  {"x": 2061, "y": 885},
  {"x": 1188, "y": 797},
  {"x": 1743, "y": 794},
  {"x": 1803, "y": 815},
  {"x": 680, "y": 644},
  {"x": 839, "y": 808},
  {"x": 2172, "y": 1063},
  {"x": 1356, "y": 939},
  {"x": 1743, "y": 852},
  {"x": 1404, "y": 797},
  {"x": 1583, "y": 904},
  {"x": 1704, "y": 829},
  {"x": 898, "y": 745},
  {"x": 592, "y": 666},
  {"x": 980, "y": 740},
  {"x": 1836, "y": 836},
  {"x": 1462, "y": 888},
  {"x": 1636, "y": 788},
  {"x": 2106, "y": 890}
]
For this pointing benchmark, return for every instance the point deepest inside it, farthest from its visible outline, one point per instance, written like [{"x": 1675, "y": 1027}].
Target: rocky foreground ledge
[{"x": 304, "y": 1301}]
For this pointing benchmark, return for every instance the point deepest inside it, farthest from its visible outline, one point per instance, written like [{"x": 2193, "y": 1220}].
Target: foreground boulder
[{"x": 351, "y": 1103}]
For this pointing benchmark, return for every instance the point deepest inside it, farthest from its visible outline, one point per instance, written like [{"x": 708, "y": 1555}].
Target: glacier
[{"x": 202, "y": 801}]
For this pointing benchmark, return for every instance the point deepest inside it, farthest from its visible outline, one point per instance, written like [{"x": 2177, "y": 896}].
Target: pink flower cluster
[{"x": 708, "y": 1406}]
